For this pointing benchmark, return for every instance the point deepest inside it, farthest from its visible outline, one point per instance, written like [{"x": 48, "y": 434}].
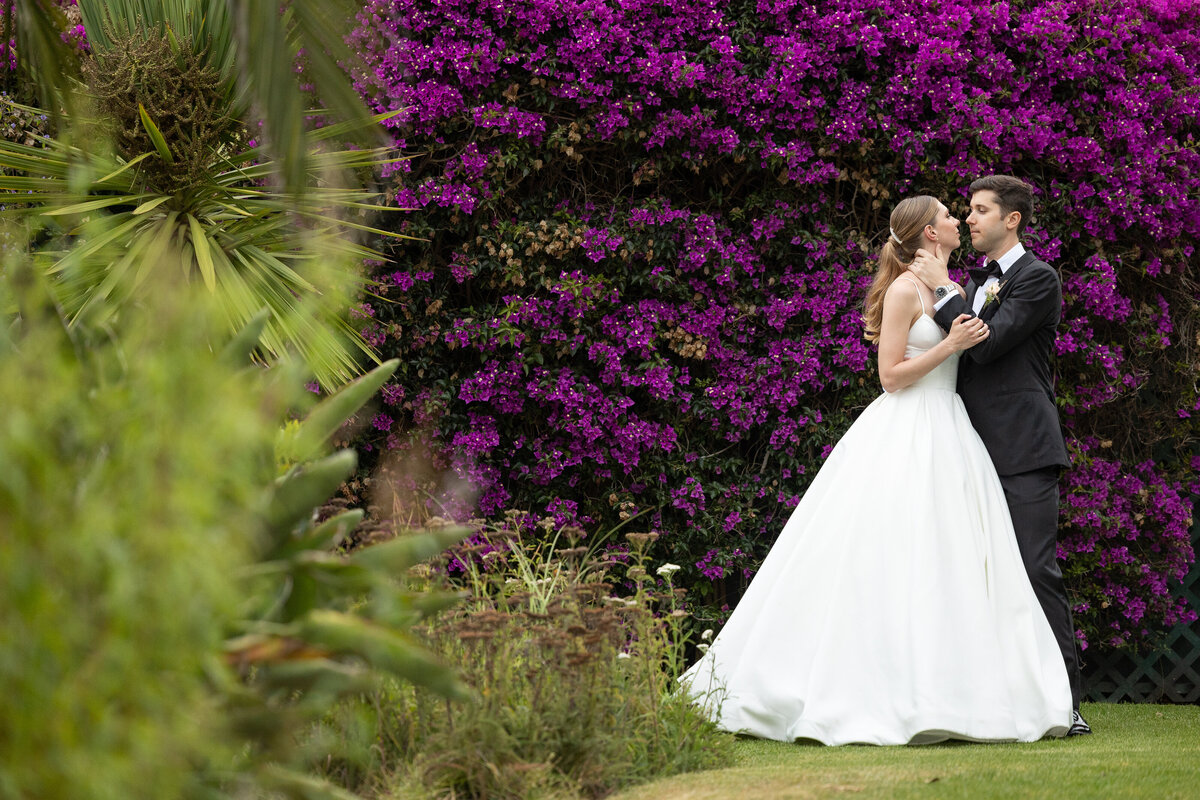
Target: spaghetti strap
[{"x": 920, "y": 294}]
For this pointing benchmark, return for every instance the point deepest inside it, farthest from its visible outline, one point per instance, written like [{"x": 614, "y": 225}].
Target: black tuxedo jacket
[{"x": 1006, "y": 382}]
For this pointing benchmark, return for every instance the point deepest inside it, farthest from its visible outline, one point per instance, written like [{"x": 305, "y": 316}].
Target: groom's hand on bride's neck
[{"x": 930, "y": 267}]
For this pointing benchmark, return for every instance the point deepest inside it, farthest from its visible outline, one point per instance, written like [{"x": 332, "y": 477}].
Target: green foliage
[
  {"x": 572, "y": 686},
  {"x": 179, "y": 614},
  {"x": 175, "y": 615},
  {"x": 148, "y": 82},
  {"x": 209, "y": 163},
  {"x": 225, "y": 227},
  {"x": 302, "y": 442},
  {"x": 129, "y": 475}
]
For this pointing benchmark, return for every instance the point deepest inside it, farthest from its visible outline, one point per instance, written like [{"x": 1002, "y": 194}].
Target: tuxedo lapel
[
  {"x": 1025, "y": 259},
  {"x": 989, "y": 309}
]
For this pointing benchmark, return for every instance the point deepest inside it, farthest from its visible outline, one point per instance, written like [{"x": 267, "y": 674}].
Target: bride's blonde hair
[{"x": 909, "y": 218}]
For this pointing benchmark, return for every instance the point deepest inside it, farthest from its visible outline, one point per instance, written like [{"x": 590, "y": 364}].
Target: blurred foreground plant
[
  {"x": 317, "y": 624},
  {"x": 129, "y": 480},
  {"x": 174, "y": 616}
]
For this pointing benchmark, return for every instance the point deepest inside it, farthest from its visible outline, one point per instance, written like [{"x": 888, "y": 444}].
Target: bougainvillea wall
[{"x": 646, "y": 228}]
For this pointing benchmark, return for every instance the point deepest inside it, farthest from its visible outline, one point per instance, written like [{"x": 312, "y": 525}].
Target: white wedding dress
[{"x": 894, "y": 607}]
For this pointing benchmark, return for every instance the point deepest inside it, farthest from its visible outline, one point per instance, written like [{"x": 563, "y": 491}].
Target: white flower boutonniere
[{"x": 991, "y": 293}]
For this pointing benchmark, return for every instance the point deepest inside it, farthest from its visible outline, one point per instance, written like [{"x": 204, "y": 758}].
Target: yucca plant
[
  {"x": 177, "y": 173},
  {"x": 251, "y": 244},
  {"x": 256, "y": 40}
]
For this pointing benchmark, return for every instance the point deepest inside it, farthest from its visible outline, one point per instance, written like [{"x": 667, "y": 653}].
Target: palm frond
[
  {"x": 267, "y": 59},
  {"x": 251, "y": 245},
  {"x": 273, "y": 225}
]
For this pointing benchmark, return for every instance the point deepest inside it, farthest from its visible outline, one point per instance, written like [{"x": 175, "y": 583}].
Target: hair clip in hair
[{"x": 894, "y": 237}]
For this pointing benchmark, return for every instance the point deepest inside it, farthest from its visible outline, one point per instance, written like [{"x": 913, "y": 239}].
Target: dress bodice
[{"x": 924, "y": 334}]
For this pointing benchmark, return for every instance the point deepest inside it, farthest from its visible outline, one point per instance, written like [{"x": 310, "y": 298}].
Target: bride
[{"x": 894, "y": 607}]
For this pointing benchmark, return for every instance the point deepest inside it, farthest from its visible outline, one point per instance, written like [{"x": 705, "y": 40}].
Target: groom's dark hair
[{"x": 1013, "y": 194}]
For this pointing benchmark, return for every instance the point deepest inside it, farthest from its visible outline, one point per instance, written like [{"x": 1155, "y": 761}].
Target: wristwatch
[{"x": 942, "y": 292}]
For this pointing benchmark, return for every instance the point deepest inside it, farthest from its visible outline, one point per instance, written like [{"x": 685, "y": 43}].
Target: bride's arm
[{"x": 901, "y": 306}]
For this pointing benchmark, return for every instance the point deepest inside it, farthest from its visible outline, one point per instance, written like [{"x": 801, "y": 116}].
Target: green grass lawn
[{"x": 1142, "y": 751}]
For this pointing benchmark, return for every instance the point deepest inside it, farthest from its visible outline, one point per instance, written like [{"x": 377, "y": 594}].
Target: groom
[{"x": 1008, "y": 388}]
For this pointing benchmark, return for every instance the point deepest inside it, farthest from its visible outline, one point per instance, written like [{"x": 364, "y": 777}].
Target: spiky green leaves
[{"x": 229, "y": 232}]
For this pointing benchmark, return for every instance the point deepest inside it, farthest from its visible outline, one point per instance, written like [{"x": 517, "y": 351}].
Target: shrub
[
  {"x": 573, "y": 690},
  {"x": 175, "y": 614},
  {"x": 128, "y": 482},
  {"x": 648, "y": 227},
  {"x": 177, "y": 610}
]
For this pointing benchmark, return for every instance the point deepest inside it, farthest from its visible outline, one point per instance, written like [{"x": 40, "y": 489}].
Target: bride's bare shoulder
[{"x": 903, "y": 289}]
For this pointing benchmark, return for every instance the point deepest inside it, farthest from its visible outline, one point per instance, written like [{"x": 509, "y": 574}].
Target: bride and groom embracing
[{"x": 913, "y": 595}]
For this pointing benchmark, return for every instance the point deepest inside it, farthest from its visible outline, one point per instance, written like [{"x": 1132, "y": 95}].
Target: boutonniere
[{"x": 992, "y": 292}]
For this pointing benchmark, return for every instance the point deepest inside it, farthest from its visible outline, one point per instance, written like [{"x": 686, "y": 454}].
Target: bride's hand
[{"x": 966, "y": 332}]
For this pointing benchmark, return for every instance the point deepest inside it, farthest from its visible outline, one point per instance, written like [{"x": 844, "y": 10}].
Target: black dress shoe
[{"x": 1078, "y": 726}]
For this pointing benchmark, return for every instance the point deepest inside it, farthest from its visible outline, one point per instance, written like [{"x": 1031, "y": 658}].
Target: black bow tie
[{"x": 991, "y": 270}]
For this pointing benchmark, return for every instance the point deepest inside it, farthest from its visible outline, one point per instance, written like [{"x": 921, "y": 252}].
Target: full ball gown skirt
[{"x": 894, "y": 607}]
